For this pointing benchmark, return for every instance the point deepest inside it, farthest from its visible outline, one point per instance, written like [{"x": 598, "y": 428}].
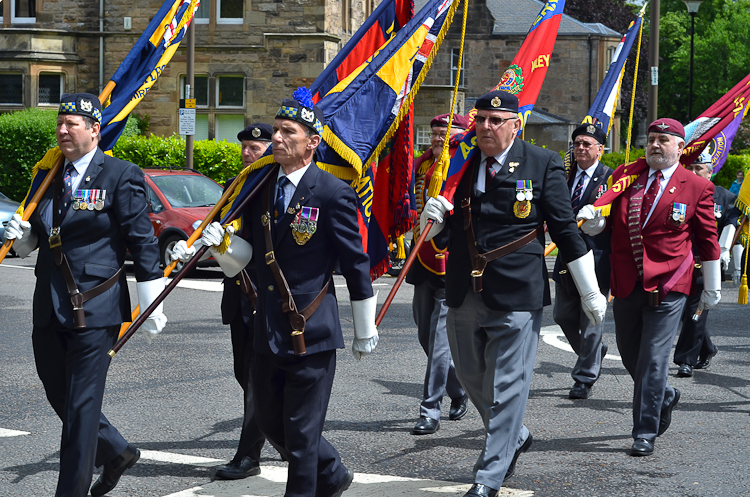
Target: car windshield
[{"x": 187, "y": 190}]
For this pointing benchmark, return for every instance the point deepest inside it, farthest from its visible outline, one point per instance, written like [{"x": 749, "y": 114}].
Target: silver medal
[{"x": 520, "y": 196}]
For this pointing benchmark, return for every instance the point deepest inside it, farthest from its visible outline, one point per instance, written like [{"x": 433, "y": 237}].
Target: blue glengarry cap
[
  {"x": 82, "y": 104},
  {"x": 301, "y": 109}
]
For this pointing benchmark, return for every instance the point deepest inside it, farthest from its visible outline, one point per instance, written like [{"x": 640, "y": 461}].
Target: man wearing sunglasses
[{"x": 496, "y": 278}]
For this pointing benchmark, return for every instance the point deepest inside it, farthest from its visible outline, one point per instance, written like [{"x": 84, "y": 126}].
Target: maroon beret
[
  {"x": 459, "y": 121},
  {"x": 668, "y": 127}
]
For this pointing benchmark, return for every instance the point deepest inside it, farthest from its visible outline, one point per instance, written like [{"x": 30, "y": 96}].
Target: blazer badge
[
  {"x": 602, "y": 189},
  {"x": 305, "y": 224},
  {"x": 524, "y": 195}
]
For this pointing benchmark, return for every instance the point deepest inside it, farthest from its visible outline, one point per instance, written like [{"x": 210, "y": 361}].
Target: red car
[{"x": 179, "y": 200}]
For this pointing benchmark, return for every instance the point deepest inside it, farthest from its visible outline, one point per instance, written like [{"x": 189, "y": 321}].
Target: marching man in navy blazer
[
  {"x": 309, "y": 219},
  {"x": 95, "y": 210}
]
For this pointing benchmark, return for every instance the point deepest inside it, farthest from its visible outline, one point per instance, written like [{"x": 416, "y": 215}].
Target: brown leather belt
[
  {"x": 297, "y": 319},
  {"x": 77, "y": 298},
  {"x": 247, "y": 287}
]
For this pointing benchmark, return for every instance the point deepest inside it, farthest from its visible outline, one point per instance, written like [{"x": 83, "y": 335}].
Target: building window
[
  {"x": 608, "y": 62},
  {"x": 50, "y": 88},
  {"x": 423, "y": 135},
  {"x": 455, "y": 52},
  {"x": 228, "y": 125},
  {"x": 230, "y": 91},
  {"x": 22, "y": 11},
  {"x": 202, "y": 14},
  {"x": 11, "y": 89},
  {"x": 229, "y": 11},
  {"x": 200, "y": 89}
]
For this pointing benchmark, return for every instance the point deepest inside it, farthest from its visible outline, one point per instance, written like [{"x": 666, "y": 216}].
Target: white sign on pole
[
  {"x": 654, "y": 76},
  {"x": 187, "y": 121}
]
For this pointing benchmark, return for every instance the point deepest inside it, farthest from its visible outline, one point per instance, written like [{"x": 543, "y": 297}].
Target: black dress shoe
[
  {"x": 684, "y": 370},
  {"x": 113, "y": 471},
  {"x": 479, "y": 490},
  {"x": 704, "y": 363},
  {"x": 523, "y": 448},
  {"x": 580, "y": 391},
  {"x": 459, "y": 408},
  {"x": 426, "y": 426},
  {"x": 237, "y": 470},
  {"x": 342, "y": 487},
  {"x": 642, "y": 447},
  {"x": 665, "y": 418}
]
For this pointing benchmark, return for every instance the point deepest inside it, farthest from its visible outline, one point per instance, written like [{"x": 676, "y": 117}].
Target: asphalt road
[{"x": 178, "y": 399}]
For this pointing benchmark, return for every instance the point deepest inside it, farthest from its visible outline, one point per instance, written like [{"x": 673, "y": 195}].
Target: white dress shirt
[
  {"x": 666, "y": 175},
  {"x": 497, "y": 167}
]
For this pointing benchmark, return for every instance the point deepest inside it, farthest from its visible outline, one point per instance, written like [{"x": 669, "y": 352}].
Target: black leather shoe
[
  {"x": 665, "y": 418},
  {"x": 426, "y": 426},
  {"x": 343, "y": 486},
  {"x": 519, "y": 451},
  {"x": 704, "y": 363},
  {"x": 113, "y": 471},
  {"x": 580, "y": 391},
  {"x": 479, "y": 490},
  {"x": 459, "y": 408},
  {"x": 237, "y": 470},
  {"x": 642, "y": 447},
  {"x": 684, "y": 370}
]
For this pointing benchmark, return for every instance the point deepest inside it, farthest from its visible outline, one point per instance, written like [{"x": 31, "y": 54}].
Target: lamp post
[{"x": 692, "y": 7}]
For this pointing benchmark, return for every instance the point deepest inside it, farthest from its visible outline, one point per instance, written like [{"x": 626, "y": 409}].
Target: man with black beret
[
  {"x": 255, "y": 140},
  {"x": 587, "y": 182},
  {"x": 496, "y": 277},
  {"x": 657, "y": 211},
  {"x": 95, "y": 211},
  {"x": 303, "y": 223}
]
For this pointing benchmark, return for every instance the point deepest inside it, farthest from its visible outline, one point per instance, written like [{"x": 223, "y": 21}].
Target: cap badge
[
  {"x": 662, "y": 126},
  {"x": 495, "y": 102},
  {"x": 591, "y": 129},
  {"x": 86, "y": 105},
  {"x": 256, "y": 133},
  {"x": 307, "y": 114}
]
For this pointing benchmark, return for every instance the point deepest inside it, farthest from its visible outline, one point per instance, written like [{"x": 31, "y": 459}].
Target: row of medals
[{"x": 79, "y": 205}]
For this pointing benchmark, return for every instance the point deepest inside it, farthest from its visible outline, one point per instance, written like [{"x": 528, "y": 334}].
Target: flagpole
[
  {"x": 29, "y": 209},
  {"x": 632, "y": 96}
]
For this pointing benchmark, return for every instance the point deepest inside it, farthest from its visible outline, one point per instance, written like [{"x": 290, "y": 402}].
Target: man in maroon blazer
[{"x": 658, "y": 209}]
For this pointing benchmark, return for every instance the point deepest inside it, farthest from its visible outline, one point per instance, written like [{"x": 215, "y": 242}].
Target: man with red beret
[
  {"x": 657, "y": 210},
  {"x": 427, "y": 274}
]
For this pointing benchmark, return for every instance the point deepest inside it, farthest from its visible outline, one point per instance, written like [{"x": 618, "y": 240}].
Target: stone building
[{"x": 250, "y": 55}]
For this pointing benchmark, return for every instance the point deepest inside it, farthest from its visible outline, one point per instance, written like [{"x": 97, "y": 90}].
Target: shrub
[
  {"x": 616, "y": 158},
  {"x": 728, "y": 172},
  {"x": 219, "y": 160}
]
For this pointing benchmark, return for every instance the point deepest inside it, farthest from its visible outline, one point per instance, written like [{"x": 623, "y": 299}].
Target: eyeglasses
[
  {"x": 492, "y": 122},
  {"x": 585, "y": 145},
  {"x": 437, "y": 135}
]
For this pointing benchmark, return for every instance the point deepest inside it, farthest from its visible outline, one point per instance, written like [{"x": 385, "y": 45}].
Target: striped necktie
[
  {"x": 490, "y": 171},
  {"x": 65, "y": 200},
  {"x": 278, "y": 206},
  {"x": 578, "y": 192},
  {"x": 650, "y": 196}
]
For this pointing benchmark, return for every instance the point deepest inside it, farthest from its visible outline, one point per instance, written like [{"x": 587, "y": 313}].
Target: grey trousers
[
  {"x": 494, "y": 352},
  {"x": 644, "y": 339},
  {"x": 430, "y": 312},
  {"x": 585, "y": 339}
]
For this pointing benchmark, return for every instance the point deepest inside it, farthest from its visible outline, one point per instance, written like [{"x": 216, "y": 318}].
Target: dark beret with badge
[
  {"x": 459, "y": 121},
  {"x": 81, "y": 104},
  {"x": 497, "y": 100},
  {"x": 260, "y": 132},
  {"x": 591, "y": 130},
  {"x": 668, "y": 127},
  {"x": 300, "y": 108}
]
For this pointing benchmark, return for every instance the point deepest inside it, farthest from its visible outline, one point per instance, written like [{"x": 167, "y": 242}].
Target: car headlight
[{"x": 196, "y": 224}]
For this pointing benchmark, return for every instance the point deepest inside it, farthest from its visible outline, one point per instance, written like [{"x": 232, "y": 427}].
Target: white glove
[
  {"x": 594, "y": 222},
  {"x": 213, "y": 234},
  {"x": 181, "y": 251},
  {"x": 147, "y": 293},
  {"x": 584, "y": 276},
  {"x": 725, "y": 240},
  {"x": 365, "y": 331},
  {"x": 711, "y": 285},
  {"x": 737, "y": 256},
  {"x": 435, "y": 208},
  {"x": 20, "y": 231}
]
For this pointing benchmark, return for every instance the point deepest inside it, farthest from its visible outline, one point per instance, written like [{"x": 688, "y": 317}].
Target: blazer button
[
  {"x": 270, "y": 288},
  {"x": 238, "y": 282}
]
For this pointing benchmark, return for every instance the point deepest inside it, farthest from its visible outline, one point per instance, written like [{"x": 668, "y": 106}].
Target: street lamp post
[{"x": 692, "y": 7}]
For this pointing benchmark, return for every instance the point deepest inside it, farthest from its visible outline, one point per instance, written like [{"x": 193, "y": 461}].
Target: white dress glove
[
  {"x": 365, "y": 331},
  {"x": 725, "y": 242},
  {"x": 20, "y": 231},
  {"x": 181, "y": 252},
  {"x": 711, "y": 285},
  {"x": 147, "y": 293},
  {"x": 213, "y": 234},
  {"x": 435, "y": 209},
  {"x": 737, "y": 256},
  {"x": 594, "y": 223},
  {"x": 584, "y": 276}
]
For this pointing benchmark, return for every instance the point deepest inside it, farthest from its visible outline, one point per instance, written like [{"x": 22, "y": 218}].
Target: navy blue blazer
[
  {"x": 95, "y": 243},
  {"x": 599, "y": 244},
  {"x": 307, "y": 267}
]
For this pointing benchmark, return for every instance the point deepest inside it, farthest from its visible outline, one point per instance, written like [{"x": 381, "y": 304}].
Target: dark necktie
[
  {"x": 64, "y": 202},
  {"x": 650, "y": 196},
  {"x": 278, "y": 206},
  {"x": 490, "y": 171},
  {"x": 575, "y": 201}
]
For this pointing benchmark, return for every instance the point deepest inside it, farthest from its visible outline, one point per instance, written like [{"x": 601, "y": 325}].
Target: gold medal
[
  {"x": 265, "y": 219},
  {"x": 522, "y": 209}
]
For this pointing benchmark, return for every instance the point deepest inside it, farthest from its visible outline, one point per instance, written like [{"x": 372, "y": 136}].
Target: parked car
[
  {"x": 8, "y": 207},
  {"x": 179, "y": 200}
]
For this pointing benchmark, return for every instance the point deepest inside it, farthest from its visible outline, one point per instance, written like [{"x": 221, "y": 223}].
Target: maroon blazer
[{"x": 665, "y": 243}]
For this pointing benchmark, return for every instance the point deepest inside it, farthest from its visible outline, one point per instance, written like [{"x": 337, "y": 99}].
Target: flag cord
[{"x": 632, "y": 96}]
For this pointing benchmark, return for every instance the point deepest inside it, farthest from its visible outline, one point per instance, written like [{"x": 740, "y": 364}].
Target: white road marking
[
  {"x": 551, "y": 336},
  {"x": 170, "y": 457},
  {"x": 206, "y": 285},
  {"x": 17, "y": 267},
  {"x": 12, "y": 433},
  {"x": 272, "y": 482}
]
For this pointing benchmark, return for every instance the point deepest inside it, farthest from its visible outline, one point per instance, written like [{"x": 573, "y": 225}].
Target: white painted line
[
  {"x": 551, "y": 336},
  {"x": 170, "y": 457},
  {"x": 12, "y": 433},
  {"x": 206, "y": 285},
  {"x": 17, "y": 267},
  {"x": 374, "y": 284},
  {"x": 272, "y": 482}
]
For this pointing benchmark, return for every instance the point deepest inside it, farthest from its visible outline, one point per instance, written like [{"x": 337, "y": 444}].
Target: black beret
[
  {"x": 591, "y": 130},
  {"x": 82, "y": 104},
  {"x": 497, "y": 100},
  {"x": 260, "y": 132}
]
